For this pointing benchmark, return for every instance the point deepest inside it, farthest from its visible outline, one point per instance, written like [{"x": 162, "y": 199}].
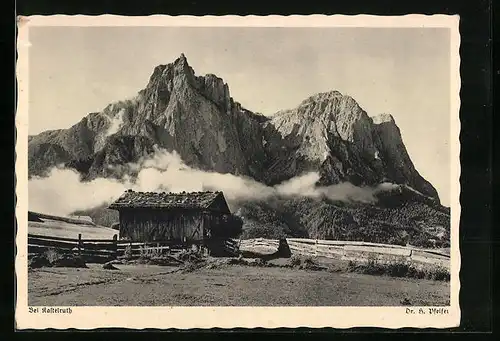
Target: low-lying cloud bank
[{"x": 62, "y": 192}]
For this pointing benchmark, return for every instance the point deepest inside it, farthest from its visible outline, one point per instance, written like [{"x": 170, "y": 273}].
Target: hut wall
[
  {"x": 220, "y": 205},
  {"x": 151, "y": 225},
  {"x": 215, "y": 225}
]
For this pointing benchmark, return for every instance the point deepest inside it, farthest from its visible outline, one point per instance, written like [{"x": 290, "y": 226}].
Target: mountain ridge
[{"x": 328, "y": 133}]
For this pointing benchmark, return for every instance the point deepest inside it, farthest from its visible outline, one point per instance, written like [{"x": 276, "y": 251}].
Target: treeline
[{"x": 415, "y": 223}]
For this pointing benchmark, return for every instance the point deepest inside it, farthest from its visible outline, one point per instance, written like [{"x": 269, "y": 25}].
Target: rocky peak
[
  {"x": 323, "y": 114},
  {"x": 332, "y": 130},
  {"x": 327, "y": 132},
  {"x": 182, "y": 68},
  {"x": 182, "y": 59},
  {"x": 166, "y": 73}
]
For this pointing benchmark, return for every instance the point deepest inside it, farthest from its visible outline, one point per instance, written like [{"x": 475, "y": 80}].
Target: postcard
[{"x": 237, "y": 172}]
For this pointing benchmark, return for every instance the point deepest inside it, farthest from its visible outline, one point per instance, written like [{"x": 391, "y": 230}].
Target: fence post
[
  {"x": 115, "y": 246},
  {"x": 80, "y": 244}
]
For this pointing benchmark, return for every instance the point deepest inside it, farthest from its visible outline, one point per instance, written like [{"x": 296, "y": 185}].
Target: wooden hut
[{"x": 183, "y": 217}]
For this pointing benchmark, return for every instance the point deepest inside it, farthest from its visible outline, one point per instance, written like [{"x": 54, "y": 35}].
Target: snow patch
[{"x": 115, "y": 123}]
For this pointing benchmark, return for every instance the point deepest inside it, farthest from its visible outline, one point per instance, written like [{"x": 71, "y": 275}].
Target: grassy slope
[{"x": 63, "y": 229}]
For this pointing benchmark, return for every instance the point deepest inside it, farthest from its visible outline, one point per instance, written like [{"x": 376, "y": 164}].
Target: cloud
[{"x": 62, "y": 192}]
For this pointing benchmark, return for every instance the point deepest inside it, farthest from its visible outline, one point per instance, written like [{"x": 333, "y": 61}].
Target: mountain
[{"x": 196, "y": 116}]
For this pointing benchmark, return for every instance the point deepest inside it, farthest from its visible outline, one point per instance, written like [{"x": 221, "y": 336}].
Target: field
[
  {"x": 57, "y": 228},
  {"x": 225, "y": 285}
]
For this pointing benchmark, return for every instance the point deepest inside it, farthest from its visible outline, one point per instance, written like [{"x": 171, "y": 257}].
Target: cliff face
[
  {"x": 331, "y": 133},
  {"x": 196, "y": 116}
]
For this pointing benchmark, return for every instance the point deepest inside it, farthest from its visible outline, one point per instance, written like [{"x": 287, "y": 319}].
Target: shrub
[
  {"x": 308, "y": 260},
  {"x": 37, "y": 261},
  {"x": 374, "y": 268},
  {"x": 304, "y": 263},
  {"x": 295, "y": 260},
  {"x": 438, "y": 274},
  {"x": 52, "y": 255},
  {"x": 127, "y": 253},
  {"x": 405, "y": 301},
  {"x": 399, "y": 269},
  {"x": 54, "y": 258}
]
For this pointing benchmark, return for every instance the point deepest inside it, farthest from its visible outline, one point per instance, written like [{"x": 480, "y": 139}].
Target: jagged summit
[{"x": 321, "y": 96}]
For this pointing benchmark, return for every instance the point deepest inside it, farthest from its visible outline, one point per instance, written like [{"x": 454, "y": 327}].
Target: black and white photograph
[{"x": 197, "y": 165}]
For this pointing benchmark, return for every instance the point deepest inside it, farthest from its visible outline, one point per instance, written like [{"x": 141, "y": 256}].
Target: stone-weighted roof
[{"x": 166, "y": 200}]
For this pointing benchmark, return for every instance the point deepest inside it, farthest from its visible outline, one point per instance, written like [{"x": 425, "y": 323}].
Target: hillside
[{"x": 47, "y": 225}]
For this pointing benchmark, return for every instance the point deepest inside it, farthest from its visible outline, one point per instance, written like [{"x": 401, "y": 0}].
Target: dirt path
[{"x": 142, "y": 285}]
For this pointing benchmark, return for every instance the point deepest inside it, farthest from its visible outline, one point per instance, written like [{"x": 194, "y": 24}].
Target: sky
[{"x": 401, "y": 71}]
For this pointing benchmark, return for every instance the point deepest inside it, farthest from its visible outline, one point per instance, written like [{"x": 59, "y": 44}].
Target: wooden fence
[
  {"x": 151, "y": 248},
  {"x": 350, "y": 250},
  {"x": 92, "y": 250},
  {"x": 103, "y": 250}
]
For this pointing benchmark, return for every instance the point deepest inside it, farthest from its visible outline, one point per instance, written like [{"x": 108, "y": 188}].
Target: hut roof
[{"x": 165, "y": 200}]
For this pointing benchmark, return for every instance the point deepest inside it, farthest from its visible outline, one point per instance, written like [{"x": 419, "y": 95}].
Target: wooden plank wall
[{"x": 150, "y": 225}]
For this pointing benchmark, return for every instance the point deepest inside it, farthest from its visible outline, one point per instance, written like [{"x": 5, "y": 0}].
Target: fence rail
[
  {"x": 95, "y": 250},
  {"x": 107, "y": 249},
  {"x": 351, "y": 250}
]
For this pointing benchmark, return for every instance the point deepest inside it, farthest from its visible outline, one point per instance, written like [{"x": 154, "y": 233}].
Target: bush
[
  {"x": 438, "y": 274},
  {"x": 374, "y": 268},
  {"x": 127, "y": 253},
  {"x": 295, "y": 261},
  {"x": 399, "y": 269},
  {"x": 52, "y": 255},
  {"x": 304, "y": 263},
  {"x": 54, "y": 258},
  {"x": 38, "y": 261},
  {"x": 190, "y": 256}
]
